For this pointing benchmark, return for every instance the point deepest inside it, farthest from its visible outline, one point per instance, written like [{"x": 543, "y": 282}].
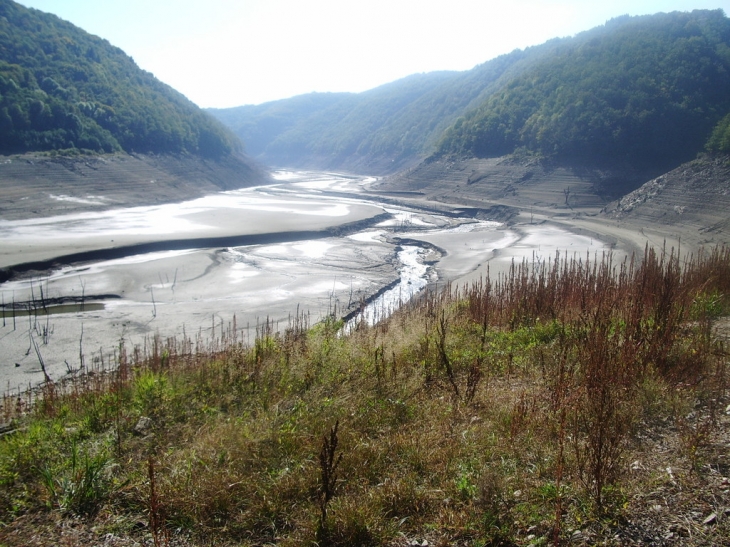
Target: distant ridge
[
  {"x": 644, "y": 92},
  {"x": 641, "y": 93}
]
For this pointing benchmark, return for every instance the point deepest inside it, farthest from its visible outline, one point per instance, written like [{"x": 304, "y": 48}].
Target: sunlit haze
[{"x": 223, "y": 53}]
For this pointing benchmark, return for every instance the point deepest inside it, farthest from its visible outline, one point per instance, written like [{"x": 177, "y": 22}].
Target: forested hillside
[
  {"x": 380, "y": 130},
  {"x": 335, "y": 129},
  {"x": 640, "y": 92},
  {"x": 62, "y": 88},
  {"x": 259, "y": 125}
]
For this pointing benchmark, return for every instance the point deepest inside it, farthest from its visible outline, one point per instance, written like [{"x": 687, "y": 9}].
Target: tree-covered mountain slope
[
  {"x": 62, "y": 88},
  {"x": 377, "y": 131},
  {"x": 641, "y": 93},
  {"x": 334, "y": 130},
  {"x": 68, "y": 99},
  {"x": 259, "y": 125}
]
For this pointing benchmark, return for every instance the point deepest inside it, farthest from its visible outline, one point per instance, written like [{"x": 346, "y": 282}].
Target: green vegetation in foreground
[
  {"x": 62, "y": 89},
  {"x": 506, "y": 413}
]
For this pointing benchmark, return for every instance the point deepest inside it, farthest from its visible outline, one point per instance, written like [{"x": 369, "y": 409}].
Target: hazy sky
[{"x": 222, "y": 53}]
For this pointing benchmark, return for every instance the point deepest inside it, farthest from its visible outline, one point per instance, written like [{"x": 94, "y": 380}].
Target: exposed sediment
[
  {"x": 110, "y": 253},
  {"x": 510, "y": 182},
  {"x": 686, "y": 207},
  {"x": 36, "y": 185},
  {"x": 692, "y": 201}
]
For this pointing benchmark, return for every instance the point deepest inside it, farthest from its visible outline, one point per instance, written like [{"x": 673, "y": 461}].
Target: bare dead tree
[
  {"x": 81, "y": 348},
  {"x": 40, "y": 359},
  {"x": 83, "y": 292}
]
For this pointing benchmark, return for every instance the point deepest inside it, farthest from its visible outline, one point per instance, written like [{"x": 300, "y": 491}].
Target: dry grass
[{"x": 573, "y": 400}]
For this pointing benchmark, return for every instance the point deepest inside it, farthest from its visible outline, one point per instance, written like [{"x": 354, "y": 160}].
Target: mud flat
[
  {"x": 685, "y": 208},
  {"x": 239, "y": 217},
  {"x": 314, "y": 244},
  {"x": 177, "y": 293},
  {"x": 125, "y": 275}
]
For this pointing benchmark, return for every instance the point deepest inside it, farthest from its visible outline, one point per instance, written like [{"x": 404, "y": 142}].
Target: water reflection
[{"x": 413, "y": 278}]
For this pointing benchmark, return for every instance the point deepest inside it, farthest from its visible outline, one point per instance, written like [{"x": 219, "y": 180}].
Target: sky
[{"x": 225, "y": 53}]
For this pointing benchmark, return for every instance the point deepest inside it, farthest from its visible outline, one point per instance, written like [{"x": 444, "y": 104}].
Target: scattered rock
[
  {"x": 143, "y": 427},
  {"x": 679, "y": 530},
  {"x": 712, "y": 519}
]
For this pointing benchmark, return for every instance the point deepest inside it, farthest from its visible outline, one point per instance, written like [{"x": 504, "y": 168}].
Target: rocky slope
[
  {"x": 685, "y": 208},
  {"x": 693, "y": 199}
]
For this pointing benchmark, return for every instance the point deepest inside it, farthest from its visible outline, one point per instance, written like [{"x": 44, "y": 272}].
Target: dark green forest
[
  {"x": 643, "y": 91},
  {"x": 720, "y": 138},
  {"x": 64, "y": 89}
]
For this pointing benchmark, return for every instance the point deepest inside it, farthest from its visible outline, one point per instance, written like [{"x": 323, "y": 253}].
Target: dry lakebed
[{"x": 78, "y": 285}]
